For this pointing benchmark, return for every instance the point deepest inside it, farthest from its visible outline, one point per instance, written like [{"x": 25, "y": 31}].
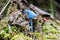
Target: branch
[
  {"x": 4, "y": 7},
  {"x": 9, "y": 27},
  {"x": 39, "y": 11}
]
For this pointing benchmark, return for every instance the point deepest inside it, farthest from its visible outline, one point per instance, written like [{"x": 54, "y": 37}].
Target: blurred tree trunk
[{"x": 52, "y": 7}]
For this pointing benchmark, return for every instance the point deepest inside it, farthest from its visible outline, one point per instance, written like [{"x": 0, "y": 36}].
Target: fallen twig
[{"x": 4, "y": 7}]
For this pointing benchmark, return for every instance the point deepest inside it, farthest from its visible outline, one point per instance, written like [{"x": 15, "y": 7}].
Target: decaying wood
[
  {"x": 17, "y": 18},
  {"x": 4, "y": 7},
  {"x": 39, "y": 11}
]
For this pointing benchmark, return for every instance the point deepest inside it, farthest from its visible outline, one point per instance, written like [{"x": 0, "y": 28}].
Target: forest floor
[{"x": 16, "y": 32}]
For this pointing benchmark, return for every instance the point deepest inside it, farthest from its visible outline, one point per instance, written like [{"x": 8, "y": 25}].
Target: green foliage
[
  {"x": 50, "y": 31},
  {"x": 37, "y": 34},
  {"x": 21, "y": 37},
  {"x": 13, "y": 28},
  {"x": 4, "y": 35},
  {"x": 6, "y": 29}
]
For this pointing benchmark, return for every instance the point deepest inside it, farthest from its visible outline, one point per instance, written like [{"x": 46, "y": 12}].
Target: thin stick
[{"x": 4, "y": 7}]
